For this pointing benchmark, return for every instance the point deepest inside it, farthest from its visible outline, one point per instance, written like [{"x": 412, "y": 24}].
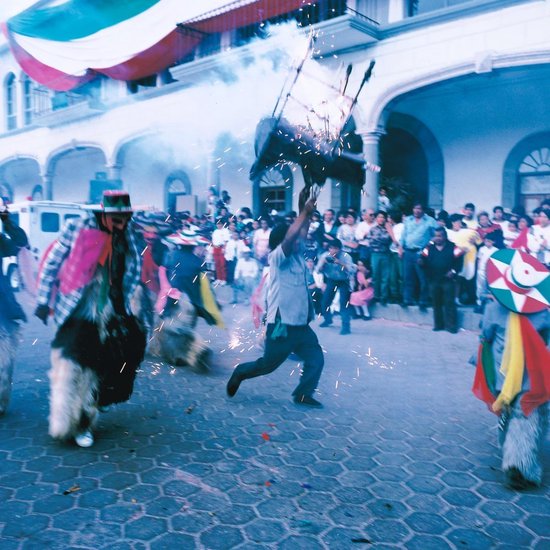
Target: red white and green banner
[{"x": 63, "y": 44}]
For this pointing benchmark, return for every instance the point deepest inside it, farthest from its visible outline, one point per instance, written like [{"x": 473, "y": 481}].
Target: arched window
[
  {"x": 11, "y": 102},
  {"x": 534, "y": 178},
  {"x": 27, "y": 89},
  {"x": 177, "y": 187},
  {"x": 37, "y": 193}
]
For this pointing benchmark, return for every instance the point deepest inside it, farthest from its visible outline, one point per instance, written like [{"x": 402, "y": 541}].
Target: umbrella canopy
[{"x": 68, "y": 44}]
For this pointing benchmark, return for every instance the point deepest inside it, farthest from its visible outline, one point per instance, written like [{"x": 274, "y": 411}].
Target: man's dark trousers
[
  {"x": 411, "y": 273},
  {"x": 303, "y": 342},
  {"x": 332, "y": 285},
  {"x": 443, "y": 302}
]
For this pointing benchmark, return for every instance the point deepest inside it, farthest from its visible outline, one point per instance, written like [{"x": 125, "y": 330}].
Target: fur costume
[
  {"x": 8, "y": 344},
  {"x": 94, "y": 360},
  {"x": 175, "y": 340},
  {"x": 93, "y": 274},
  {"x": 513, "y": 366}
]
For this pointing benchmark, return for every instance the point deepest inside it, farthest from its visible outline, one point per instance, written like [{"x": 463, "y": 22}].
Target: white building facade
[{"x": 456, "y": 111}]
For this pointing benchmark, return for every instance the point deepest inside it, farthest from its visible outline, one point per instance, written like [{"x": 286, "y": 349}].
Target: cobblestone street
[{"x": 401, "y": 456}]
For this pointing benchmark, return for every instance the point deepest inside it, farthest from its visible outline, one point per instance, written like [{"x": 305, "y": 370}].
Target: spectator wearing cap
[
  {"x": 337, "y": 268},
  {"x": 246, "y": 276},
  {"x": 418, "y": 230}
]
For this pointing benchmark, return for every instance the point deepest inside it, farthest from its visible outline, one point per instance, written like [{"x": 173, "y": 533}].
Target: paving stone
[
  {"x": 120, "y": 513},
  {"x": 98, "y": 498},
  {"x": 540, "y": 525},
  {"x": 26, "y": 525},
  {"x": 75, "y": 519},
  {"x": 52, "y": 504},
  {"x": 427, "y": 542},
  {"x": 52, "y": 539},
  {"x": 387, "y": 531},
  {"x": 423, "y": 522},
  {"x": 173, "y": 541},
  {"x": 145, "y": 528},
  {"x": 341, "y": 538},
  {"x": 221, "y": 538},
  {"x": 471, "y": 539},
  {"x": 265, "y": 530}
]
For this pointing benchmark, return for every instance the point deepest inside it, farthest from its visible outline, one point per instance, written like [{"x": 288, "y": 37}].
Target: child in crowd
[
  {"x": 233, "y": 250},
  {"x": 315, "y": 285},
  {"x": 246, "y": 276},
  {"x": 483, "y": 255},
  {"x": 364, "y": 292}
]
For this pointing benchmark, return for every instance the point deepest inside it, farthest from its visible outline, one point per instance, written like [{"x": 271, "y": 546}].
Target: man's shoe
[
  {"x": 345, "y": 331},
  {"x": 84, "y": 439},
  {"x": 437, "y": 329},
  {"x": 423, "y": 308},
  {"x": 307, "y": 401},
  {"x": 452, "y": 330},
  {"x": 233, "y": 384},
  {"x": 325, "y": 324}
]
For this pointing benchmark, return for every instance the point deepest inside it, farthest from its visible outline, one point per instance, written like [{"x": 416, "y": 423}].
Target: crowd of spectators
[{"x": 376, "y": 255}]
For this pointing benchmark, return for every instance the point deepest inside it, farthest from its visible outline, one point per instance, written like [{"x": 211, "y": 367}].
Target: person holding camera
[
  {"x": 12, "y": 239},
  {"x": 337, "y": 268}
]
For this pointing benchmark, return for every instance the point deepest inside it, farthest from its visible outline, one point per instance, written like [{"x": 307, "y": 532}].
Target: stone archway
[
  {"x": 72, "y": 170},
  {"x": 411, "y": 153},
  {"x": 511, "y": 177},
  {"x": 19, "y": 178}
]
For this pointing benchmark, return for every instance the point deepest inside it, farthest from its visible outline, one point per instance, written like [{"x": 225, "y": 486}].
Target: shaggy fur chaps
[
  {"x": 175, "y": 341},
  {"x": 94, "y": 361},
  {"x": 8, "y": 345},
  {"x": 522, "y": 439}
]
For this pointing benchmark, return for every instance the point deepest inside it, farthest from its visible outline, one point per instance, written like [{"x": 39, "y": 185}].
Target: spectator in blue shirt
[{"x": 418, "y": 230}]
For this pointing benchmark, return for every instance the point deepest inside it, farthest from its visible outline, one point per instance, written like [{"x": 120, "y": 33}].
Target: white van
[{"x": 42, "y": 221}]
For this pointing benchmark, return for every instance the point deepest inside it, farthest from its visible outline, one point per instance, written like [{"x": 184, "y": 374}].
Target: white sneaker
[{"x": 84, "y": 439}]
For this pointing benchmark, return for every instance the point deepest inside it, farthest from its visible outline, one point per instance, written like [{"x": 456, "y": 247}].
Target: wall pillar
[
  {"x": 371, "y": 151},
  {"x": 47, "y": 185},
  {"x": 397, "y": 10}
]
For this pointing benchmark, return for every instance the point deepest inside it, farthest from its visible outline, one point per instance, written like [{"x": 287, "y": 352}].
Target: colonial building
[{"x": 456, "y": 110}]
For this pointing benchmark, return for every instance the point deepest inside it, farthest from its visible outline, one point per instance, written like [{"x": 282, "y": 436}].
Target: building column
[
  {"x": 47, "y": 185},
  {"x": 371, "y": 151},
  {"x": 113, "y": 171},
  {"x": 397, "y": 10}
]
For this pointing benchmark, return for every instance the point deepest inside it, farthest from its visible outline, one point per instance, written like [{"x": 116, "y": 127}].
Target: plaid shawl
[{"x": 73, "y": 276}]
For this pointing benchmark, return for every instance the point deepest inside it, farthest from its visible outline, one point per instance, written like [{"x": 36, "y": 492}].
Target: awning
[{"x": 66, "y": 45}]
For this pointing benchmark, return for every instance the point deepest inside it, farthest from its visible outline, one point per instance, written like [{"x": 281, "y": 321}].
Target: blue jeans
[{"x": 414, "y": 279}]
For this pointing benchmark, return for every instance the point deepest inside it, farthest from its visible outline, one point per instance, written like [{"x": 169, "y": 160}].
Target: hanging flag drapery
[{"x": 68, "y": 44}]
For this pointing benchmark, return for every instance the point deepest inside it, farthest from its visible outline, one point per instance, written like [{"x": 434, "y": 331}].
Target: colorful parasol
[{"x": 518, "y": 281}]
